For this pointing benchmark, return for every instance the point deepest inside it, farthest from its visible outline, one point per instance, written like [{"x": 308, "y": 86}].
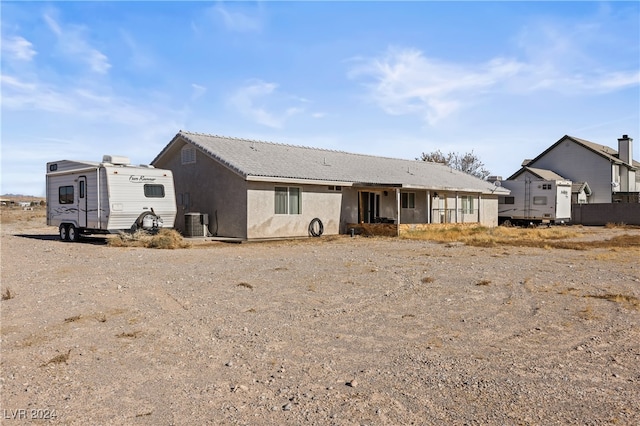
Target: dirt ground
[{"x": 326, "y": 331}]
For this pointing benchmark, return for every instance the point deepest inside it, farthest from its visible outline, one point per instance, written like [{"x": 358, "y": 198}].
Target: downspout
[{"x": 398, "y": 210}]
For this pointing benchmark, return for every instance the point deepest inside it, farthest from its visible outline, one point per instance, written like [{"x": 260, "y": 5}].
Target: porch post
[
  {"x": 457, "y": 207},
  {"x": 428, "y": 206}
]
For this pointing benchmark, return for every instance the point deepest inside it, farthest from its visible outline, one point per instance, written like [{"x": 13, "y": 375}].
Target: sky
[{"x": 504, "y": 80}]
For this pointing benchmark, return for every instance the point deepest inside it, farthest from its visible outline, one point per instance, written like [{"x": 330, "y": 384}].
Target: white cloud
[
  {"x": 18, "y": 48},
  {"x": 407, "y": 82},
  {"x": 197, "y": 91},
  {"x": 239, "y": 21},
  {"x": 259, "y": 101},
  {"x": 73, "y": 44}
]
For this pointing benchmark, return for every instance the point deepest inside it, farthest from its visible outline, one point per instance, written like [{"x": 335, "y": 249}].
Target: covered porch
[{"x": 384, "y": 209}]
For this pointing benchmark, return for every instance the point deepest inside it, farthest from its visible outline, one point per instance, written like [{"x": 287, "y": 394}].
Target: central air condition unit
[{"x": 196, "y": 224}]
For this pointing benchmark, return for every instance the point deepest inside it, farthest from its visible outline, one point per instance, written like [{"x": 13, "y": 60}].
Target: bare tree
[{"x": 468, "y": 162}]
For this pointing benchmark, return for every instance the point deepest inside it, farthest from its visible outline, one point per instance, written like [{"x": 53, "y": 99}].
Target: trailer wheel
[
  {"x": 63, "y": 231},
  {"x": 73, "y": 234}
]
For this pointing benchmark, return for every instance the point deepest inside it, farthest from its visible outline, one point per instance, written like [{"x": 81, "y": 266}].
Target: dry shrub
[
  {"x": 483, "y": 282},
  {"x": 163, "y": 239},
  {"x": 7, "y": 295},
  {"x": 427, "y": 280}
]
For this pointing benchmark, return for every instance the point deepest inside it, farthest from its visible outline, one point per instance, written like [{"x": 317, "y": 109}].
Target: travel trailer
[
  {"x": 113, "y": 196},
  {"x": 533, "y": 202}
]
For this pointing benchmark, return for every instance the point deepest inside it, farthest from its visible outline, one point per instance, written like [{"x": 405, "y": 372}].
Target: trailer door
[{"x": 82, "y": 202}]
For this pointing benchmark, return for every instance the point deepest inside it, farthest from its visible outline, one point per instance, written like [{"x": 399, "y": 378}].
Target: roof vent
[{"x": 116, "y": 159}]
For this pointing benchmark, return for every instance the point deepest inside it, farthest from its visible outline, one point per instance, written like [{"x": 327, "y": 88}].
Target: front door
[
  {"x": 82, "y": 202},
  {"x": 369, "y": 206}
]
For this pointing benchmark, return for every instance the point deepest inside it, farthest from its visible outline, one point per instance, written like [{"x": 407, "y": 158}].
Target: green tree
[{"x": 467, "y": 162}]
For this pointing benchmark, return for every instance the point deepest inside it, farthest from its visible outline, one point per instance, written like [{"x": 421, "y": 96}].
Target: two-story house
[{"x": 610, "y": 175}]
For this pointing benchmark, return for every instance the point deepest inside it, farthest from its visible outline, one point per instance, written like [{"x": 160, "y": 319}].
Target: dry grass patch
[
  {"x": 130, "y": 334},
  {"x": 629, "y": 302},
  {"x": 245, "y": 285},
  {"x": 163, "y": 239},
  {"x": 545, "y": 238},
  {"x": 72, "y": 319},
  {"x": 427, "y": 280},
  {"x": 588, "y": 314},
  {"x": 483, "y": 282},
  {"x": 58, "y": 359}
]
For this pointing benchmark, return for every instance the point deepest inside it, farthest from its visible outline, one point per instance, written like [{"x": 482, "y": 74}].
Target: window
[
  {"x": 287, "y": 200},
  {"x": 188, "y": 154},
  {"x": 335, "y": 188},
  {"x": 82, "y": 188},
  {"x": 153, "y": 190},
  {"x": 509, "y": 200},
  {"x": 539, "y": 201},
  {"x": 408, "y": 200},
  {"x": 467, "y": 204},
  {"x": 65, "y": 194},
  {"x": 546, "y": 186}
]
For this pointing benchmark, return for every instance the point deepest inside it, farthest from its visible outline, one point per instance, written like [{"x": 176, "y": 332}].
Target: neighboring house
[
  {"x": 252, "y": 189},
  {"x": 608, "y": 175},
  {"x": 580, "y": 193}
]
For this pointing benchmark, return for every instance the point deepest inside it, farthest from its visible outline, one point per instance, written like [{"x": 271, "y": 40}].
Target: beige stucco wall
[
  {"x": 208, "y": 187},
  {"x": 317, "y": 202}
]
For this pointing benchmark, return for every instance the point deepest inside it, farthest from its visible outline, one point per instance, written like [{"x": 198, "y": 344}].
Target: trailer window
[
  {"x": 540, "y": 201},
  {"x": 508, "y": 200},
  {"x": 81, "y": 188},
  {"x": 65, "y": 194},
  {"x": 153, "y": 190}
]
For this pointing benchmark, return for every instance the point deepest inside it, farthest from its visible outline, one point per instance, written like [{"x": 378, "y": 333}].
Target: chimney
[{"x": 625, "y": 149}]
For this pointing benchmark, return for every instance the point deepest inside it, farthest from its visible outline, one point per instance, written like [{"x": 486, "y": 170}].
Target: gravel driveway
[{"x": 327, "y": 331}]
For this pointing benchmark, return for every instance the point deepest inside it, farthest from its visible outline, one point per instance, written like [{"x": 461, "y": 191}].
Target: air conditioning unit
[{"x": 196, "y": 224}]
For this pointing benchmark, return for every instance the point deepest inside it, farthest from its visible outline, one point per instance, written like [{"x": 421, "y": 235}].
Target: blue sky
[{"x": 502, "y": 79}]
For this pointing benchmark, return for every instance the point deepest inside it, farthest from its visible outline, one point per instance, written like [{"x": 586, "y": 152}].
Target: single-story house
[{"x": 249, "y": 189}]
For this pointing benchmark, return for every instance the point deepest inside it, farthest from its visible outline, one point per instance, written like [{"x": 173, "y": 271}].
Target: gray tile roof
[{"x": 251, "y": 158}]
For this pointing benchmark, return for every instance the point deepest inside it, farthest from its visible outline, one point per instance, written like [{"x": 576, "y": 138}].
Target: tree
[{"x": 468, "y": 162}]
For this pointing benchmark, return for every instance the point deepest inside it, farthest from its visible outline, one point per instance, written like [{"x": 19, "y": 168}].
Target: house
[
  {"x": 601, "y": 174},
  {"x": 248, "y": 189}
]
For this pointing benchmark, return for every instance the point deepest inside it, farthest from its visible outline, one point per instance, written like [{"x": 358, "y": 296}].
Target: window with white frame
[
  {"x": 408, "y": 200},
  {"x": 467, "y": 204},
  {"x": 188, "y": 155},
  {"x": 288, "y": 200}
]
